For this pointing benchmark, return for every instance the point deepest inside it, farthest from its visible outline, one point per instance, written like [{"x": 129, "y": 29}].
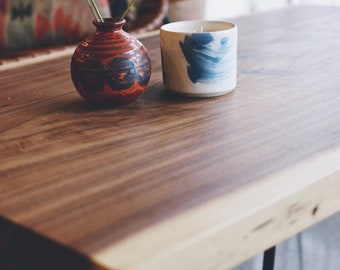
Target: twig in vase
[
  {"x": 95, "y": 11},
  {"x": 127, "y": 10}
]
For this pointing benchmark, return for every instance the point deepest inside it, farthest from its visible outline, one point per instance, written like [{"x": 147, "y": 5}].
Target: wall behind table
[{"x": 218, "y": 9}]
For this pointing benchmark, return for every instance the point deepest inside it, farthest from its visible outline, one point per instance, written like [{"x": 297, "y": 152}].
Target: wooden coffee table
[{"x": 170, "y": 182}]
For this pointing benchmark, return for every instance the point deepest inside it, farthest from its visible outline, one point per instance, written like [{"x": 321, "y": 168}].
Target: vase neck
[{"x": 109, "y": 25}]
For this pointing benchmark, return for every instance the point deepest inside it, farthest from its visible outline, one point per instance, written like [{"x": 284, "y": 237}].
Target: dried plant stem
[
  {"x": 95, "y": 11},
  {"x": 127, "y": 10}
]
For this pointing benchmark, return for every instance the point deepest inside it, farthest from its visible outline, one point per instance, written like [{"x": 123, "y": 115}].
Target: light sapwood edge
[
  {"x": 38, "y": 59},
  {"x": 50, "y": 55},
  {"x": 288, "y": 209}
]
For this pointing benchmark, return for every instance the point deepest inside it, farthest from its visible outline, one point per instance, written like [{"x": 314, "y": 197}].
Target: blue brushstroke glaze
[{"x": 206, "y": 63}]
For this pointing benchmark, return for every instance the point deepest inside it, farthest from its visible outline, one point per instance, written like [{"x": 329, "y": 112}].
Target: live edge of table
[{"x": 170, "y": 182}]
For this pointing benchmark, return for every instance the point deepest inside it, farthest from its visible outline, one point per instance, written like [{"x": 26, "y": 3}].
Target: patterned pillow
[{"x": 26, "y": 24}]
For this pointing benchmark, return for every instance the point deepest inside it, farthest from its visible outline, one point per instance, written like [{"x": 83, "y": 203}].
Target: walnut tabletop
[{"x": 169, "y": 182}]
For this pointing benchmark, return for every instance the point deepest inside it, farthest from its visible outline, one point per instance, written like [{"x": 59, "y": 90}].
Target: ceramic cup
[{"x": 199, "y": 58}]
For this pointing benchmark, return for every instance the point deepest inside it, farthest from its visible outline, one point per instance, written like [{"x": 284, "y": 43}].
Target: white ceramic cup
[{"x": 199, "y": 58}]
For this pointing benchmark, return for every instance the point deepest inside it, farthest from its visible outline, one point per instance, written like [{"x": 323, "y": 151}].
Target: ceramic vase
[{"x": 110, "y": 67}]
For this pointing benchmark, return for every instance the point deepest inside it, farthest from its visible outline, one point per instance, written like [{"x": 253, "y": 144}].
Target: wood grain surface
[{"x": 178, "y": 183}]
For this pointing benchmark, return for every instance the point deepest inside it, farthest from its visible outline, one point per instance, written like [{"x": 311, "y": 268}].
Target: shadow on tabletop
[{"x": 155, "y": 96}]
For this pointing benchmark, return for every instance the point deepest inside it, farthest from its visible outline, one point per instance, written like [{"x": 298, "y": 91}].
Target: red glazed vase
[{"x": 110, "y": 67}]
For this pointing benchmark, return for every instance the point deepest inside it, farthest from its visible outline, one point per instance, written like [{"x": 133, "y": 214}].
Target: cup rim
[{"x": 198, "y": 26}]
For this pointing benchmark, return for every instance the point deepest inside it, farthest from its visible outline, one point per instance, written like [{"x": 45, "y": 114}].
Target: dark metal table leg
[{"x": 269, "y": 259}]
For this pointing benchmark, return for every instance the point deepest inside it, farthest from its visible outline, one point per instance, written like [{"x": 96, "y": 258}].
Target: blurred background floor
[{"x": 317, "y": 248}]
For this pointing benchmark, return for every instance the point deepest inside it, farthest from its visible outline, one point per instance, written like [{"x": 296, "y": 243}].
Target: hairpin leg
[{"x": 269, "y": 259}]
